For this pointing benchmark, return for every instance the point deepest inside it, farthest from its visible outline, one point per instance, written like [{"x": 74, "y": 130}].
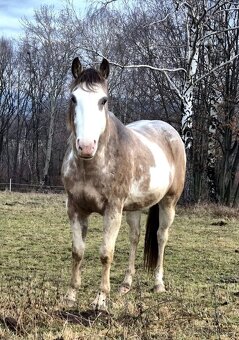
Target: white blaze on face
[{"x": 90, "y": 119}]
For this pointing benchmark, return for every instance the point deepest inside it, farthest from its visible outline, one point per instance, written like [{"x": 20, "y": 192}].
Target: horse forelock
[{"x": 88, "y": 79}]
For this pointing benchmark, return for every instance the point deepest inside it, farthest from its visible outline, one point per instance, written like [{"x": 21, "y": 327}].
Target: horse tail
[{"x": 151, "y": 239}]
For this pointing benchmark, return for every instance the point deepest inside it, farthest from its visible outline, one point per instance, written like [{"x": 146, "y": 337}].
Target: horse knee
[
  {"x": 162, "y": 234},
  {"x": 134, "y": 236},
  {"x": 106, "y": 257},
  {"x": 77, "y": 254}
]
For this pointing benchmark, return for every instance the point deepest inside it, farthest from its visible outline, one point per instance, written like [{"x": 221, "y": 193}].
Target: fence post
[{"x": 10, "y": 185}]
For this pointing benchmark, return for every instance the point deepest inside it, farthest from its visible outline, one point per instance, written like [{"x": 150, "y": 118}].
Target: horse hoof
[
  {"x": 99, "y": 304},
  {"x": 69, "y": 303},
  {"x": 124, "y": 289},
  {"x": 70, "y": 298},
  {"x": 99, "y": 307},
  {"x": 159, "y": 288}
]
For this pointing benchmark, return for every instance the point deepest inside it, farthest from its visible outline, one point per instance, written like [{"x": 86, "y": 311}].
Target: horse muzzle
[{"x": 86, "y": 149}]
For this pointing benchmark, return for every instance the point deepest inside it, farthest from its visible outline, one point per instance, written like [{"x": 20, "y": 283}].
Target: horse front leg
[
  {"x": 133, "y": 220},
  {"x": 112, "y": 221},
  {"x": 79, "y": 225}
]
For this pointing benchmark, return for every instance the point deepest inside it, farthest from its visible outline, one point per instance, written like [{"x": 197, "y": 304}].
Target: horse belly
[
  {"x": 153, "y": 173},
  {"x": 148, "y": 191}
]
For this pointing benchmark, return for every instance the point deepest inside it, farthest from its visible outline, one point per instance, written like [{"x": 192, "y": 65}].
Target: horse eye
[
  {"x": 103, "y": 101},
  {"x": 73, "y": 98}
]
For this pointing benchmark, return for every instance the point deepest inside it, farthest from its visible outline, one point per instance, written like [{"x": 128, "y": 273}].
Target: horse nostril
[
  {"x": 78, "y": 145},
  {"x": 94, "y": 141}
]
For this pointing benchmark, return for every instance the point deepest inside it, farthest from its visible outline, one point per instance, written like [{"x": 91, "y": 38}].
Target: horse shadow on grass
[{"x": 86, "y": 318}]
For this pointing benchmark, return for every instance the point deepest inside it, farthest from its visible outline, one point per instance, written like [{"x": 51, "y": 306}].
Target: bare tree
[
  {"x": 6, "y": 89},
  {"x": 53, "y": 43}
]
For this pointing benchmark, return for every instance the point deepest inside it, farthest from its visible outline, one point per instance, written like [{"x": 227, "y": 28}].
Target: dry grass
[
  {"x": 214, "y": 210},
  {"x": 201, "y": 275}
]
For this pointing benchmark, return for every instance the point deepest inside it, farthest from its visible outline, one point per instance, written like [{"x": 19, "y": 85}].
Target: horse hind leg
[
  {"x": 133, "y": 220},
  {"x": 160, "y": 218},
  {"x": 166, "y": 217}
]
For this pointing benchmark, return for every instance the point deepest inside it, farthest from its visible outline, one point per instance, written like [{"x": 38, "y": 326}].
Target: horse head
[{"x": 88, "y": 107}]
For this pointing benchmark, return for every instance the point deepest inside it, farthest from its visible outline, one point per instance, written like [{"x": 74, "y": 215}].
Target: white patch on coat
[
  {"x": 68, "y": 163},
  {"x": 135, "y": 189},
  {"x": 76, "y": 189},
  {"x": 160, "y": 174}
]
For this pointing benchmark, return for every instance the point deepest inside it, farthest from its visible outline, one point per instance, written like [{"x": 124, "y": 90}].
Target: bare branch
[
  {"x": 173, "y": 85},
  {"x": 158, "y": 21},
  {"x": 106, "y": 3},
  {"x": 149, "y": 66},
  {"x": 216, "y": 68},
  {"x": 166, "y": 16},
  {"x": 218, "y": 32},
  {"x": 136, "y": 65}
]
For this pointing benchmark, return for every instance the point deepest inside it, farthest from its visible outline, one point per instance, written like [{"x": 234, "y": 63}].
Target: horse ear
[
  {"x": 105, "y": 68},
  {"x": 76, "y": 67}
]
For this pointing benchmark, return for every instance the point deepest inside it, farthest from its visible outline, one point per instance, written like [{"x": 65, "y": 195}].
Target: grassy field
[{"x": 201, "y": 277}]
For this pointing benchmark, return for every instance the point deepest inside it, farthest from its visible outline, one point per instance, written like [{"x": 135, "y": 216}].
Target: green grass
[{"x": 201, "y": 276}]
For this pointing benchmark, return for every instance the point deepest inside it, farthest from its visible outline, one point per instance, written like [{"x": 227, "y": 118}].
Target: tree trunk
[
  {"x": 211, "y": 153},
  {"x": 236, "y": 197},
  {"x": 187, "y": 137},
  {"x": 231, "y": 181},
  {"x": 45, "y": 180},
  {"x": 187, "y": 108}
]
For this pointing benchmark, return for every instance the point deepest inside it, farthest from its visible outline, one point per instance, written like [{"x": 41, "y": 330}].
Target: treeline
[{"x": 171, "y": 60}]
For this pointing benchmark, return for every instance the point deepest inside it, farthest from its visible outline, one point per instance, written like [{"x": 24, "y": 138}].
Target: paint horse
[{"x": 110, "y": 168}]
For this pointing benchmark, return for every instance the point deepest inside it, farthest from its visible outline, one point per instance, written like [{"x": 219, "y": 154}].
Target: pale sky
[{"x": 11, "y": 12}]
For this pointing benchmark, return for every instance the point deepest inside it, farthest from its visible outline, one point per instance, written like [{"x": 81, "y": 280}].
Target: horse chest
[
  {"x": 95, "y": 187},
  {"x": 88, "y": 196}
]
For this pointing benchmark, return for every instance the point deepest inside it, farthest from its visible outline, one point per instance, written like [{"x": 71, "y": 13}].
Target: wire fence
[{"x": 26, "y": 187}]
